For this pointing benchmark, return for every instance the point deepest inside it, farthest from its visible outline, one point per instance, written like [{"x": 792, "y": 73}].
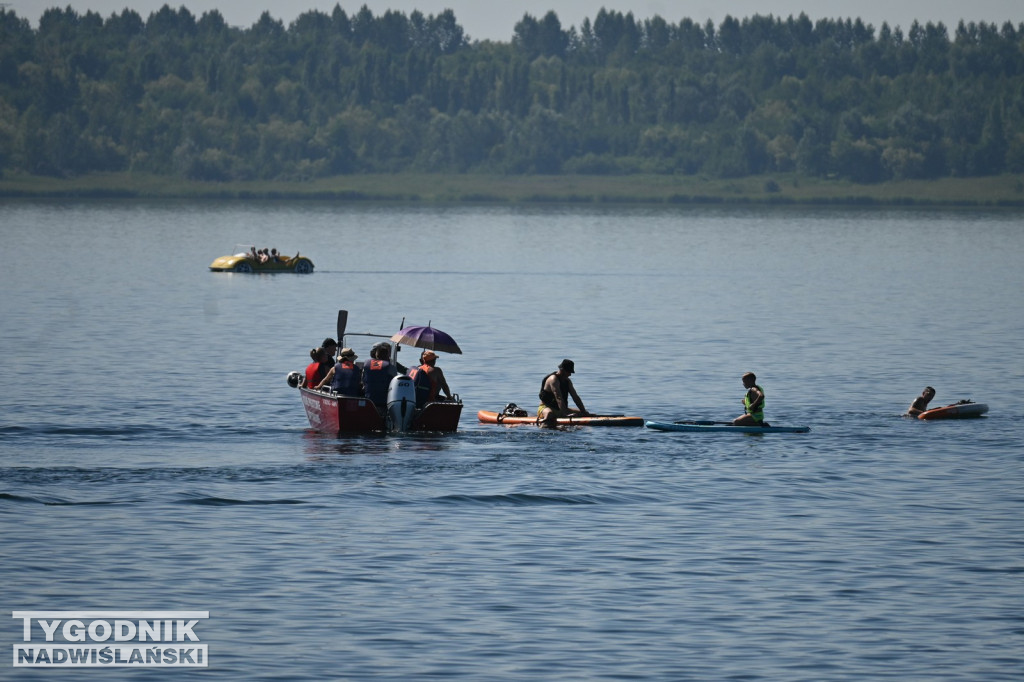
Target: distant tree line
[{"x": 349, "y": 93}]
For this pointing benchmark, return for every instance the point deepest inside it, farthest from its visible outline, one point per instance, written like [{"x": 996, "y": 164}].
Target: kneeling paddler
[{"x": 554, "y": 395}]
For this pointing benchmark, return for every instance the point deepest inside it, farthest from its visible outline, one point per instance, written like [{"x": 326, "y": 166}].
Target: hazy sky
[{"x": 490, "y": 20}]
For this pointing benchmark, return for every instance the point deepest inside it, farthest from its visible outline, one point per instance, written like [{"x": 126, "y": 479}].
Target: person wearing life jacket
[
  {"x": 323, "y": 360},
  {"x": 346, "y": 377},
  {"x": 753, "y": 403},
  {"x": 428, "y": 379},
  {"x": 554, "y": 395},
  {"x": 377, "y": 375}
]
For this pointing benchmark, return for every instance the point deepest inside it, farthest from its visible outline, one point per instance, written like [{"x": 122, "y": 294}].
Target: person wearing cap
[
  {"x": 378, "y": 373},
  {"x": 753, "y": 403},
  {"x": 429, "y": 379},
  {"x": 554, "y": 395},
  {"x": 345, "y": 378},
  {"x": 323, "y": 360}
]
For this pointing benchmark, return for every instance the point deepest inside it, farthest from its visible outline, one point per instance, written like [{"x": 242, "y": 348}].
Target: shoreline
[{"x": 993, "y": 191}]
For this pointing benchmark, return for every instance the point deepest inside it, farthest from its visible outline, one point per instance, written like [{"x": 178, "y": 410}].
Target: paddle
[{"x": 342, "y": 323}]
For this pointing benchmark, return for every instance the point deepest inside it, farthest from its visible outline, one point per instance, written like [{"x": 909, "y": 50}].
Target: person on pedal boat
[
  {"x": 920, "y": 403},
  {"x": 554, "y": 395},
  {"x": 753, "y": 403}
]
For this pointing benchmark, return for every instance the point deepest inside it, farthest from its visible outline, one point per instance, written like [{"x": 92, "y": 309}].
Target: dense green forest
[{"x": 344, "y": 93}]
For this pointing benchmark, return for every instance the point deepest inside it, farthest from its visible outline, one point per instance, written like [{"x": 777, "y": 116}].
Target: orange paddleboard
[{"x": 488, "y": 417}]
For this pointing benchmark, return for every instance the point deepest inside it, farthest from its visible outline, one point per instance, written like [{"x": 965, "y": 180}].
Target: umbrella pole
[{"x": 398, "y": 347}]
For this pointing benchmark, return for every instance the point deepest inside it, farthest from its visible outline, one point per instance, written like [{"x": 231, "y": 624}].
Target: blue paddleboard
[{"x": 699, "y": 426}]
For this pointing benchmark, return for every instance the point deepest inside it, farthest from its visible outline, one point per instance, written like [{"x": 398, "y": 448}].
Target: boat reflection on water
[{"x": 319, "y": 447}]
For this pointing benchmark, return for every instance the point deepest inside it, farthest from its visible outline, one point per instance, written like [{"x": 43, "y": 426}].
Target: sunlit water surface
[{"x": 152, "y": 456}]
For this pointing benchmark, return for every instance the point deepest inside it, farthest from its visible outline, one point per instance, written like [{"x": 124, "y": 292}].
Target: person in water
[
  {"x": 429, "y": 379},
  {"x": 554, "y": 395},
  {"x": 753, "y": 403},
  {"x": 920, "y": 403},
  {"x": 345, "y": 377},
  {"x": 377, "y": 375}
]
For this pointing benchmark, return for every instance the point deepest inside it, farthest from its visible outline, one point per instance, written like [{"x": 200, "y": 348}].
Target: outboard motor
[{"x": 401, "y": 403}]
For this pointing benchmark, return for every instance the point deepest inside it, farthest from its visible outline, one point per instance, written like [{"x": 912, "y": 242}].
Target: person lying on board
[
  {"x": 554, "y": 395},
  {"x": 753, "y": 403},
  {"x": 920, "y": 403}
]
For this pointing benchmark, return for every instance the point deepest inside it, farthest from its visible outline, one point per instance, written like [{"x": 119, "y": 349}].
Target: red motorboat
[{"x": 336, "y": 413}]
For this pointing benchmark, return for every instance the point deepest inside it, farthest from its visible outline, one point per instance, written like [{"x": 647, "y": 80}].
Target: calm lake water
[{"x": 152, "y": 456}]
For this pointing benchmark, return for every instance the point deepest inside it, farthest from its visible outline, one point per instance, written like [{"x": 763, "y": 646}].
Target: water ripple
[
  {"x": 531, "y": 499},
  {"x": 205, "y": 501}
]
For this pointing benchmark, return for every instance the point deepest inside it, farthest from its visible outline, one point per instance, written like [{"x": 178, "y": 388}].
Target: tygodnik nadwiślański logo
[{"x": 100, "y": 639}]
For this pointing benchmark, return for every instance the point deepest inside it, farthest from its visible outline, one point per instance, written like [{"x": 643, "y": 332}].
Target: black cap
[
  {"x": 567, "y": 365},
  {"x": 328, "y": 342}
]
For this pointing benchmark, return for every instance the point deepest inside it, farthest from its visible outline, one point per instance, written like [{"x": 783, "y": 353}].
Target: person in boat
[
  {"x": 331, "y": 347},
  {"x": 310, "y": 378},
  {"x": 554, "y": 395},
  {"x": 377, "y": 375},
  {"x": 323, "y": 360},
  {"x": 346, "y": 377},
  {"x": 920, "y": 403},
  {"x": 252, "y": 254},
  {"x": 753, "y": 403},
  {"x": 429, "y": 379}
]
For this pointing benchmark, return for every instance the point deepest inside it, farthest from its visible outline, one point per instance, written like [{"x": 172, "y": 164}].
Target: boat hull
[
  {"x": 957, "y": 411},
  {"x": 334, "y": 414},
  {"x": 703, "y": 427},
  {"x": 488, "y": 417}
]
